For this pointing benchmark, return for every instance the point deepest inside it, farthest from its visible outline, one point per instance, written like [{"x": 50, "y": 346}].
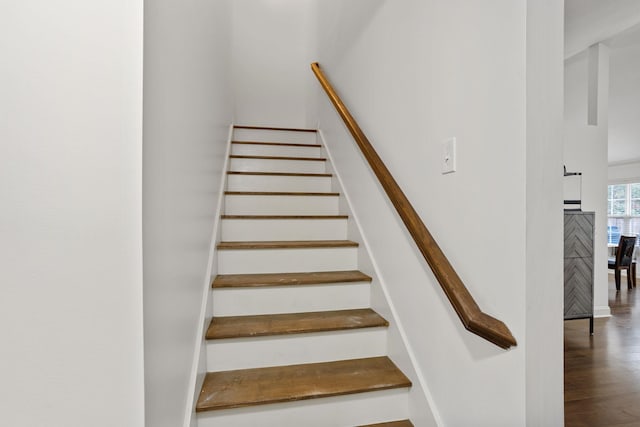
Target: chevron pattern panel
[
  {"x": 578, "y": 235},
  {"x": 578, "y": 264},
  {"x": 578, "y": 279}
]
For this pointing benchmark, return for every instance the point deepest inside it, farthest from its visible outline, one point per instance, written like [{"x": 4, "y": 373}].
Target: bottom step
[
  {"x": 245, "y": 387},
  {"x": 337, "y": 411}
]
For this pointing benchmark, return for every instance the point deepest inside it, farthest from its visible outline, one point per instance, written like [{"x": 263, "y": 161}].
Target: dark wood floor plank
[
  {"x": 288, "y": 279},
  {"x": 602, "y": 372},
  {"x": 293, "y": 323},
  {"x": 288, "y": 244},
  {"x": 246, "y": 387}
]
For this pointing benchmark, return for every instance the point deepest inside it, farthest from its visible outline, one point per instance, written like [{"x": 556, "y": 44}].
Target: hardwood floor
[{"x": 602, "y": 373}]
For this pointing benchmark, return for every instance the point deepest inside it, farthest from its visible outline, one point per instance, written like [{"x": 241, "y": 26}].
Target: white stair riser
[
  {"x": 250, "y": 261},
  {"x": 312, "y": 184},
  {"x": 290, "y": 299},
  {"x": 349, "y": 410},
  {"x": 275, "y": 165},
  {"x": 281, "y": 205},
  {"x": 274, "y": 150},
  {"x": 235, "y": 230},
  {"x": 275, "y": 136},
  {"x": 243, "y": 353}
]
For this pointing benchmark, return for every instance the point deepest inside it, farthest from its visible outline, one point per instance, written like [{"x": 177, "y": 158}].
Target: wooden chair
[{"x": 624, "y": 261}]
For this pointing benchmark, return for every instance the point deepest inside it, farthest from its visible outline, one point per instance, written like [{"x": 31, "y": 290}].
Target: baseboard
[
  {"x": 199, "y": 356},
  {"x": 601, "y": 311}
]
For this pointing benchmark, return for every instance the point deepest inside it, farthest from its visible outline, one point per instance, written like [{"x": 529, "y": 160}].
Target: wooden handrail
[{"x": 473, "y": 319}]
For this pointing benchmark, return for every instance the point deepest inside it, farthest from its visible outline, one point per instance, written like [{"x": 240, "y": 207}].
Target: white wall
[
  {"x": 70, "y": 222},
  {"x": 187, "y": 111},
  {"x": 585, "y": 150},
  {"x": 273, "y": 45},
  {"x": 414, "y": 73},
  {"x": 545, "y": 222}
]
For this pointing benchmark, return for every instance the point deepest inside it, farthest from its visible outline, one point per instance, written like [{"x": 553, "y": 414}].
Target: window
[
  {"x": 624, "y": 212},
  {"x": 617, "y": 199}
]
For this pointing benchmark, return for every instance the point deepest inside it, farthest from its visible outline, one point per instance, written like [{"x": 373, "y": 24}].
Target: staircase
[{"x": 292, "y": 341}]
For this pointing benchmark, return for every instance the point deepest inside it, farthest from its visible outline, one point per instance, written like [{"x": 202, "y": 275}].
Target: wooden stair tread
[
  {"x": 246, "y": 387},
  {"x": 402, "y": 423},
  {"x": 306, "y": 159},
  {"x": 288, "y": 279},
  {"x": 274, "y": 128},
  {"x": 278, "y": 193},
  {"x": 280, "y": 173},
  {"x": 288, "y": 244},
  {"x": 285, "y": 144},
  {"x": 293, "y": 323},
  {"x": 284, "y": 216}
]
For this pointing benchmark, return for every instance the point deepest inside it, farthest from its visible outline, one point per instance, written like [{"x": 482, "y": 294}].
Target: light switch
[{"x": 449, "y": 155}]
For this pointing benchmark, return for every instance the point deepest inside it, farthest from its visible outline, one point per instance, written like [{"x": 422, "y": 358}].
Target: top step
[
  {"x": 402, "y": 423},
  {"x": 273, "y": 134},
  {"x": 274, "y": 128}
]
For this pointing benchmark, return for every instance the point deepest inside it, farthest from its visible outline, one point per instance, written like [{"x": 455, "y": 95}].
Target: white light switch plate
[{"x": 449, "y": 155}]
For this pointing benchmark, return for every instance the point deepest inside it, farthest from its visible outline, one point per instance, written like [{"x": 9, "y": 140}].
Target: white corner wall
[
  {"x": 414, "y": 73},
  {"x": 187, "y": 113},
  {"x": 585, "y": 150},
  {"x": 273, "y": 46},
  {"x": 70, "y": 223},
  {"x": 544, "y": 344}
]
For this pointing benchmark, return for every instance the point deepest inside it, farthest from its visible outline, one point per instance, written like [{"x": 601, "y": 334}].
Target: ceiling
[
  {"x": 592, "y": 21},
  {"x": 616, "y": 23}
]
